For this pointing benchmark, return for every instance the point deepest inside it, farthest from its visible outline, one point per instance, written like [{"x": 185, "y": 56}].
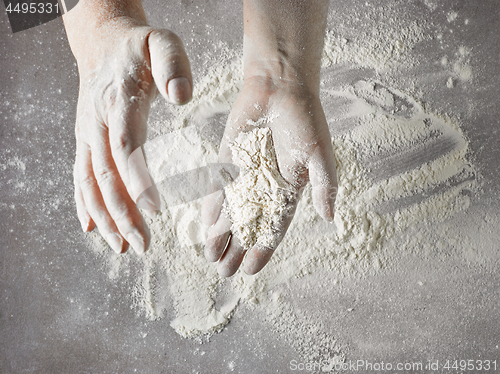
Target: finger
[
  {"x": 127, "y": 123},
  {"x": 211, "y": 208},
  {"x": 256, "y": 259},
  {"x": 118, "y": 202},
  {"x": 323, "y": 177},
  {"x": 212, "y": 204},
  {"x": 170, "y": 66},
  {"x": 218, "y": 237},
  {"x": 83, "y": 216},
  {"x": 259, "y": 255},
  {"x": 93, "y": 202},
  {"x": 232, "y": 258}
]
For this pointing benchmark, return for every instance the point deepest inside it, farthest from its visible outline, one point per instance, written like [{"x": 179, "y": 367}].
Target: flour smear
[{"x": 398, "y": 166}]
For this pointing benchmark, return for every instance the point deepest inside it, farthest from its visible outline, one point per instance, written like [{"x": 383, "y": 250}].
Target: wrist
[
  {"x": 93, "y": 27},
  {"x": 284, "y": 48},
  {"x": 280, "y": 66},
  {"x": 268, "y": 92},
  {"x": 282, "y": 73}
]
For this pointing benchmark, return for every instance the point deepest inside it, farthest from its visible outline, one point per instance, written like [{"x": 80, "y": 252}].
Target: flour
[
  {"x": 375, "y": 45},
  {"x": 451, "y": 16},
  {"x": 399, "y": 167},
  {"x": 459, "y": 68},
  {"x": 259, "y": 198},
  {"x": 373, "y": 205}
]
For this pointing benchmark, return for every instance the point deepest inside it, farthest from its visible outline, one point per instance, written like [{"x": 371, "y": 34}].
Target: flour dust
[{"x": 398, "y": 165}]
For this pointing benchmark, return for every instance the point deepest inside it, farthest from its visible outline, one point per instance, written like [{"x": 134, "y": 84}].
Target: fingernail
[
  {"x": 251, "y": 269},
  {"x": 329, "y": 214},
  {"x": 329, "y": 211},
  {"x": 151, "y": 213},
  {"x": 85, "y": 225},
  {"x": 115, "y": 241},
  {"x": 225, "y": 271},
  {"x": 179, "y": 90},
  {"x": 137, "y": 243},
  {"x": 146, "y": 203}
]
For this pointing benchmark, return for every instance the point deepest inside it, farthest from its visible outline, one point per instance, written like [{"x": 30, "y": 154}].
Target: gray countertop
[{"x": 60, "y": 312}]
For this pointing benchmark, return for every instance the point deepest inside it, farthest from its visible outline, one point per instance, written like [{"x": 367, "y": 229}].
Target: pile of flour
[{"x": 259, "y": 199}]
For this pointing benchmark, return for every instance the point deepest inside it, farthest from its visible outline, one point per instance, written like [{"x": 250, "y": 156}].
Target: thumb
[
  {"x": 323, "y": 177},
  {"x": 170, "y": 66}
]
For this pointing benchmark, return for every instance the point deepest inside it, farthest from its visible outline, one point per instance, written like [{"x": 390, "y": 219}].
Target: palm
[{"x": 303, "y": 151}]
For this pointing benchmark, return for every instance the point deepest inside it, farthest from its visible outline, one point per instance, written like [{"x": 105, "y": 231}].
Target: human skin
[
  {"x": 123, "y": 64},
  {"x": 282, "y": 46}
]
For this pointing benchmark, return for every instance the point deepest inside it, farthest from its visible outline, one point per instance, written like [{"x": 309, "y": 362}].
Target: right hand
[
  {"x": 122, "y": 69},
  {"x": 304, "y": 153}
]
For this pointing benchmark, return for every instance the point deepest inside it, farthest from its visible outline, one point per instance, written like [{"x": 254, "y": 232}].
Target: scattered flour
[
  {"x": 176, "y": 272},
  {"x": 431, "y": 4},
  {"x": 259, "y": 198},
  {"x": 14, "y": 162},
  {"x": 399, "y": 166},
  {"x": 451, "y": 16},
  {"x": 459, "y": 69},
  {"x": 378, "y": 46}
]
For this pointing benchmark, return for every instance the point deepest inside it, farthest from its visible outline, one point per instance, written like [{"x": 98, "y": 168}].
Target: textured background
[{"x": 60, "y": 313}]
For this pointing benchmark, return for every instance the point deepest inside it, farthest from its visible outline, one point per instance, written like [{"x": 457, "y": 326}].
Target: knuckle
[
  {"x": 109, "y": 95},
  {"x": 120, "y": 141},
  {"x": 170, "y": 40},
  {"x": 103, "y": 177},
  {"x": 86, "y": 183},
  {"x": 124, "y": 219}
]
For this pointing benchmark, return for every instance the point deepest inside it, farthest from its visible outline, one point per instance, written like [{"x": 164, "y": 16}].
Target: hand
[
  {"x": 123, "y": 64},
  {"x": 304, "y": 153}
]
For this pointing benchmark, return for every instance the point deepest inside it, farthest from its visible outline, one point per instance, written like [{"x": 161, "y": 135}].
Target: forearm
[
  {"x": 284, "y": 39},
  {"x": 91, "y": 22}
]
